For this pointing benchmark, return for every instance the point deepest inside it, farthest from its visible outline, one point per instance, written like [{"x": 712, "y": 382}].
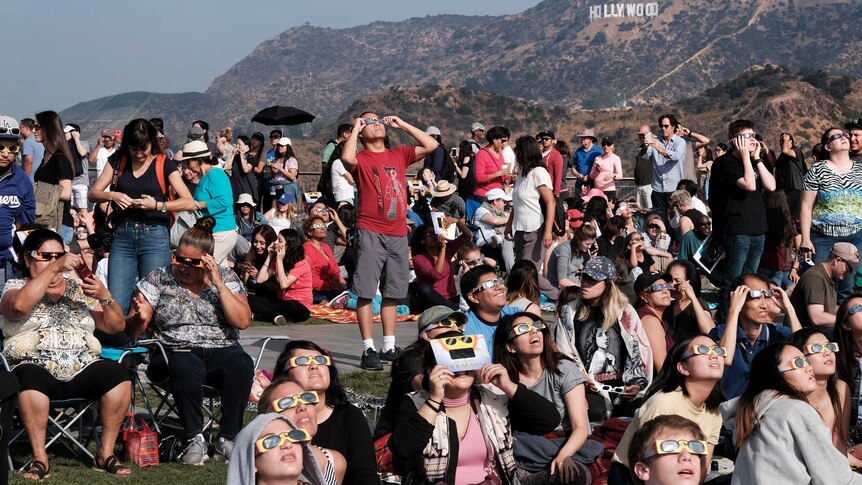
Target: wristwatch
[{"x": 164, "y": 207}]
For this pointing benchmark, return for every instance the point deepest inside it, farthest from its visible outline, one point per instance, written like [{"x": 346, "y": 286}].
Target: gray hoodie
[
  {"x": 790, "y": 446},
  {"x": 241, "y": 470}
]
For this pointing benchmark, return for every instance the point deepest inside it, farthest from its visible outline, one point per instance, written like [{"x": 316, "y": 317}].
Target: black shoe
[
  {"x": 391, "y": 355},
  {"x": 370, "y": 360}
]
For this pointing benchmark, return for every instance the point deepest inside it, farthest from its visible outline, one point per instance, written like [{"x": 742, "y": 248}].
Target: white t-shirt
[
  {"x": 525, "y": 200},
  {"x": 341, "y": 188},
  {"x": 102, "y": 159},
  {"x": 509, "y": 156}
]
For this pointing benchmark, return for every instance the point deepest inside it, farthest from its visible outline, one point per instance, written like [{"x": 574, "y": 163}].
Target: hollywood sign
[{"x": 612, "y": 10}]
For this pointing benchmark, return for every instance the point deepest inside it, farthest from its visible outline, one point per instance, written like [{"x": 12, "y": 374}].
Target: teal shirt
[{"x": 214, "y": 189}]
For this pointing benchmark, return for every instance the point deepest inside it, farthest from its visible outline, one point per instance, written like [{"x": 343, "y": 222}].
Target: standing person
[
  {"x": 17, "y": 205},
  {"x": 667, "y": 153},
  {"x": 790, "y": 169},
  {"x": 477, "y": 135},
  {"x": 53, "y": 178},
  {"x": 381, "y": 224},
  {"x": 736, "y": 199},
  {"x": 526, "y": 219},
  {"x": 583, "y": 159},
  {"x": 80, "y": 151},
  {"x": 489, "y": 166},
  {"x": 213, "y": 196},
  {"x": 105, "y": 147},
  {"x": 436, "y": 161},
  {"x": 552, "y": 159},
  {"x": 343, "y": 185},
  {"x": 139, "y": 194},
  {"x": 282, "y": 171},
  {"x": 240, "y": 168},
  {"x": 341, "y": 134},
  {"x": 32, "y": 151},
  {"x": 606, "y": 169},
  {"x": 831, "y": 198}
]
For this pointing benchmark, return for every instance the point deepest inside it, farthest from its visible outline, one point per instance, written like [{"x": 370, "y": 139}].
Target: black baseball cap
[{"x": 853, "y": 124}]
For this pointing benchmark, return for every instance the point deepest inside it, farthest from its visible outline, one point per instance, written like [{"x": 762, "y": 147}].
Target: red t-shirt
[
  {"x": 554, "y": 162},
  {"x": 323, "y": 270},
  {"x": 382, "y": 185},
  {"x": 300, "y": 290},
  {"x": 443, "y": 282}
]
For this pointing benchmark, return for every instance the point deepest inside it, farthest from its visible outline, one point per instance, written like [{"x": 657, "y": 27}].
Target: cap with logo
[{"x": 9, "y": 128}]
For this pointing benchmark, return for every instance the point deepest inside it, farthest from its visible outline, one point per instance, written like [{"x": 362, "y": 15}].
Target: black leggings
[
  {"x": 9, "y": 385},
  {"x": 94, "y": 381},
  {"x": 265, "y": 309},
  {"x": 423, "y": 297}
]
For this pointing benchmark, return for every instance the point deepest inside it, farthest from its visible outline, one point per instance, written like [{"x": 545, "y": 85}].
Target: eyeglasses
[
  {"x": 797, "y": 363},
  {"x": 747, "y": 135},
  {"x": 487, "y": 285},
  {"x": 820, "y": 348},
  {"x": 12, "y": 149},
  {"x": 526, "y": 328},
  {"x": 302, "y": 360},
  {"x": 656, "y": 287},
  {"x": 758, "y": 294},
  {"x": 473, "y": 262},
  {"x": 273, "y": 441},
  {"x": 189, "y": 262},
  {"x": 837, "y": 136},
  {"x": 107, "y": 137},
  {"x": 47, "y": 255},
  {"x": 543, "y": 138},
  {"x": 704, "y": 350},
  {"x": 318, "y": 226},
  {"x": 668, "y": 447},
  {"x": 449, "y": 323},
  {"x": 14, "y": 131},
  {"x": 290, "y": 402},
  {"x": 372, "y": 121},
  {"x": 653, "y": 226},
  {"x": 503, "y": 140},
  {"x": 611, "y": 389},
  {"x": 853, "y": 310}
]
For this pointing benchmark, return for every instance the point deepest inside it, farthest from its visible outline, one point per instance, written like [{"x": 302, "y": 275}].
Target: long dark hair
[
  {"x": 764, "y": 376},
  {"x": 523, "y": 280},
  {"x": 780, "y": 229},
  {"x": 293, "y": 250},
  {"x": 335, "y": 394},
  {"x": 527, "y": 154},
  {"x": 417, "y": 240},
  {"x": 269, "y": 236},
  {"x": 690, "y": 273},
  {"x": 596, "y": 210},
  {"x": 798, "y": 340},
  {"x": 848, "y": 366},
  {"x": 550, "y": 356},
  {"x": 669, "y": 378},
  {"x": 138, "y": 134},
  {"x": 586, "y": 231},
  {"x": 52, "y": 136}
]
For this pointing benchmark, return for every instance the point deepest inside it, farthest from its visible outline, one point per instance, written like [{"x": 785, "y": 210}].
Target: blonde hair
[
  {"x": 612, "y": 302},
  {"x": 290, "y": 214}
]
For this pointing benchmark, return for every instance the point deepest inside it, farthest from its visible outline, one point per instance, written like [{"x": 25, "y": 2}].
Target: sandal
[
  {"x": 111, "y": 465},
  {"x": 38, "y": 468}
]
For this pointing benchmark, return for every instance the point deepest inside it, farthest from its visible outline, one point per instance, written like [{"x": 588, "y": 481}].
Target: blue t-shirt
[
  {"x": 214, "y": 189},
  {"x": 735, "y": 378},
  {"x": 475, "y": 326},
  {"x": 17, "y": 206},
  {"x": 37, "y": 150}
]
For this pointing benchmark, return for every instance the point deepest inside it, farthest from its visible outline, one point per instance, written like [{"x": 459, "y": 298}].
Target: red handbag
[
  {"x": 141, "y": 446},
  {"x": 383, "y": 454}
]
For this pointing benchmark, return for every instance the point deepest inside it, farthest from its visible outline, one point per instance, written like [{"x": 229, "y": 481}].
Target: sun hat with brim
[
  {"x": 600, "y": 268},
  {"x": 245, "y": 199},
  {"x": 443, "y": 189},
  {"x": 594, "y": 193},
  {"x": 287, "y": 198},
  {"x": 195, "y": 149},
  {"x": 589, "y": 134},
  {"x": 645, "y": 280},
  {"x": 439, "y": 313},
  {"x": 432, "y": 130},
  {"x": 495, "y": 194},
  {"x": 284, "y": 141},
  {"x": 12, "y": 129}
]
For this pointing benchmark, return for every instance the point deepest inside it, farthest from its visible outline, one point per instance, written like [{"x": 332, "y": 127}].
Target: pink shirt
[
  {"x": 323, "y": 267},
  {"x": 443, "y": 282},
  {"x": 300, "y": 290},
  {"x": 472, "y": 454},
  {"x": 486, "y": 164},
  {"x": 605, "y": 165}
]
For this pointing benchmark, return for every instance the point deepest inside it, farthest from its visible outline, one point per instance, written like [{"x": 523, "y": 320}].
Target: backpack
[
  {"x": 160, "y": 176},
  {"x": 561, "y": 221},
  {"x": 447, "y": 173}
]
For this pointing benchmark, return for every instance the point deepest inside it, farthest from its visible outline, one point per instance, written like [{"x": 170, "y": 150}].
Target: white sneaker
[
  {"x": 223, "y": 449},
  {"x": 196, "y": 451},
  {"x": 280, "y": 320}
]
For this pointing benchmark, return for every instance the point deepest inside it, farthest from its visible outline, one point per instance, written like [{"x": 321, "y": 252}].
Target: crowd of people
[{"x": 676, "y": 335}]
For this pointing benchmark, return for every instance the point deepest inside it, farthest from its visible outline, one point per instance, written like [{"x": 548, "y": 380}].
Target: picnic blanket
[{"x": 343, "y": 315}]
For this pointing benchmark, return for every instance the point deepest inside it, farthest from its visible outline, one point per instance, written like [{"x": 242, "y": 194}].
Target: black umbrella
[{"x": 283, "y": 115}]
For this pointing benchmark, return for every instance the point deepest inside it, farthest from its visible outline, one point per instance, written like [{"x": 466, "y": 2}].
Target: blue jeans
[
  {"x": 742, "y": 255},
  {"x": 137, "y": 250},
  {"x": 823, "y": 245},
  {"x": 780, "y": 278}
]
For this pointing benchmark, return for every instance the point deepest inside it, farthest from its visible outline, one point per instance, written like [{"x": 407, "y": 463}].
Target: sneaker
[
  {"x": 223, "y": 449},
  {"x": 370, "y": 360},
  {"x": 391, "y": 355},
  {"x": 196, "y": 451},
  {"x": 280, "y": 320}
]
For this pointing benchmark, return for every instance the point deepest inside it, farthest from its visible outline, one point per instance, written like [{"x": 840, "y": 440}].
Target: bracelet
[
  {"x": 435, "y": 409},
  {"x": 219, "y": 288},
  {"x": 107, "y": 302}
]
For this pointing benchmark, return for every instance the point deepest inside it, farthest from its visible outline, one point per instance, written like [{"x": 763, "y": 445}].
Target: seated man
[
  {"x": 692, "y": 240},
  {"x": 485, "y": 294},
  {"x": 748, "y": 329},
  {"x": 815, "y": 297}
]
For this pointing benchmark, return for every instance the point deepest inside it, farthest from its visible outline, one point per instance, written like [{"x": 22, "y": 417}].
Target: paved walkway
[{"x": 342, "y": 340}]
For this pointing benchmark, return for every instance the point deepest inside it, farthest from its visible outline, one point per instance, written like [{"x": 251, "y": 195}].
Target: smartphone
[
  {"x": 648, "y": 137},
  {"x": 83, "y": 271},
  {"x": 453, "y": 152}
]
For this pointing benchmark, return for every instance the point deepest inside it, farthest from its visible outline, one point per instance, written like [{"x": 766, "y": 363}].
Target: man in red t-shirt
[
  {"x": 552, "y": 158},
  {"x": 381, "y": 224}
]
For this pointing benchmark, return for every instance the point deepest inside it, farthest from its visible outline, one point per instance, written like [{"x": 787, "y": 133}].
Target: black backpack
[
  {"x": 447, "y": 173},
  {"x": 560, "y": 219}
]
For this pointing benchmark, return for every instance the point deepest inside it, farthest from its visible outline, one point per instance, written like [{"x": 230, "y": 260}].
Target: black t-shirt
[
  {"x": 135, "y": 187},
  {"x": 73, "y": 149},
  {"x": 603, "y": 352},
  {"x": 57, "y": 168},
  {"x": 736, "y": 211},
  {"x": 346, "y": 431},
  {"x": 682, "y": 325}
]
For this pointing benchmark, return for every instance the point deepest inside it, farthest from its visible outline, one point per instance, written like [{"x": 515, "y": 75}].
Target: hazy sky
[{"x": 65, "y": 52}]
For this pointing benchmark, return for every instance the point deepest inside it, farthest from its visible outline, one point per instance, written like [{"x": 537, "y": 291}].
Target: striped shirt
[{"x": 837, "y": 205}]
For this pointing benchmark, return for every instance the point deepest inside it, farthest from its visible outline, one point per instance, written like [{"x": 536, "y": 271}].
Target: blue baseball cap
[{"x": 287, "y": 198}]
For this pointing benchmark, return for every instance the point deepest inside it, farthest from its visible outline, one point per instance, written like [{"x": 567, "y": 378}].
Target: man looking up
[
  {"x": 485, "y": 294},
  {"x": 381, "y": 224}
]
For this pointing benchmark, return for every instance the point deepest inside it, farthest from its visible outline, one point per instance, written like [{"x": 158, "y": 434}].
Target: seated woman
[
  {"x": 848, "y": 336},
  {"x": 772, "y": 416},
  {"x": 334, "y": 228},
  {"x": 490, "y": 219},
  {"x": 653, "y": 298},
  {"x": 247, "y": 217},
  {"x": 326, "y": 280},
  {"x": 261, "y": 239},
  {"x": 687, "y": 386},
  {"x": 283, "y": 215},
  {"x": 272, "y": 449},
  {"x": 292, "y": 401},
  {"x": 522, "y": 287},
  {"x": 286, "y": 265},
  {"x": 341, "y": 426},
  {"x": 432, "y": 254},
  {"x": 524, "y": 347},
  {"x": 688, "y": 314},
  {"x": 604, "y": 333},
  {"x": 196, "y": 309},
  {"x": 638, "y": 260},
  {"x": 48, "y": 321},
  {"x": 610, "y": 243},
  {"x": 567, "y": 261},
  {"x": 459, "y": 428},
  {"x": 657, "y": 242}
]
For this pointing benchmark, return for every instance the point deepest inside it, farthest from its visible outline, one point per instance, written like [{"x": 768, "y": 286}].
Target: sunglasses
[
  {"x": 301, "y": 360},
  {"x": 318, "y": 226},
  {"x": 473, "y": 262},
  {"x": 746, "y": 136},
  {"x": 611, "y": 389},
  {"x": 653, "y": 226},
  {"x": 543, "y": 138},
  {"x": 656, "y": 287},
  {"x": 107, "y": 137},
  {"x": 853, "y": 310},
  {"x": 13, "y": 131},
  {"x": 797, "y": 363},
  {"x": 665, "y": 126},
  {"x": 667, "y": 447},
  {"x": 487, "y": 285},
  {"x": 758, "y": 294},
  {"x": 449, "y": 323},
  {"x": 290, "y": 402},
  {"x": 273, "y": 441},
  {"x": 820, "y": 348},
  {"x": 46, "y": 255},
  {"x": 372, "y": 121},
  {"x": 12, "y": 149},
  {"x": 188, "y": 262},
  {"x": 523, "y": 328},
  {"x": 504, "y": 140},
  {"x": 704, "y": 350},
  {"x": 837, "y": 136}
]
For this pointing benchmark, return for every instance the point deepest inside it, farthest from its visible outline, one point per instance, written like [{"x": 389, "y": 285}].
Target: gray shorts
[{"x": 380, "y": 257}]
